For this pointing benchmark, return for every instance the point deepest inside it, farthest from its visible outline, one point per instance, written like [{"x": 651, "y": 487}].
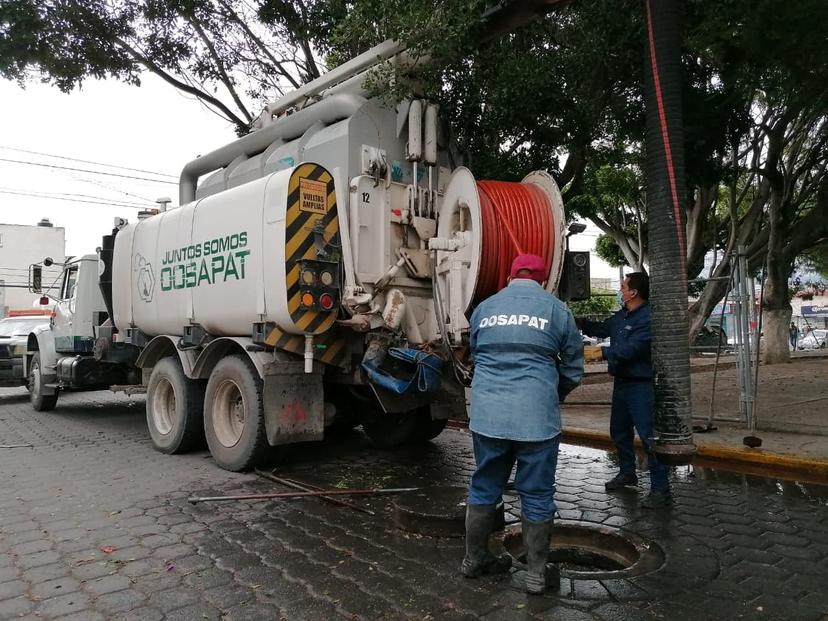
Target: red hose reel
[
  {"x": 517, "y": 218},
  {"x": 483, "y": 226}
]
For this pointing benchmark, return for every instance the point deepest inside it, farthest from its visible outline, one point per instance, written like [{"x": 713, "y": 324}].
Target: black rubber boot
[
  {"x": 480, "y": 520},
  {"x": 657, "y": 499},
  {"x": 536, "y": 538},
  {"x": 620, "y": 481}
]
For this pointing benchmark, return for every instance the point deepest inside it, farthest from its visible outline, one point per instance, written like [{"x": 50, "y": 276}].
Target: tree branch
[
  {"x": 261, "y": 45},
  {"x": 225, "y": 79},
  {"x": 183, "y": 86}
]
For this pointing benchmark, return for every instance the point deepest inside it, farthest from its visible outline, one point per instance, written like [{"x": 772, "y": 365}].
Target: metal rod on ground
[
  {"x": 721, "y": 419},
  {"x": 288, "y": 495},
  {"x": 307, "y": 487},
  {"x": 11, "y": 446}
]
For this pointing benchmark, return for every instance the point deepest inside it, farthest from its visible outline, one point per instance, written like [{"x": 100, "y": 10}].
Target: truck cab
[
  {"x": 62, "y": 355},
  {"x": 78, "y": 306}
]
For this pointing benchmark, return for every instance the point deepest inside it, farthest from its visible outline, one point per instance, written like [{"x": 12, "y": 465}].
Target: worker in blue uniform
[
  {"x": 528, "y": 355},
  {"x": 630, "y": 363}
]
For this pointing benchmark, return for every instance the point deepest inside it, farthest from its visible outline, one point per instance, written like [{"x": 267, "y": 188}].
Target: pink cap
[{"x": 531, "y": 265}]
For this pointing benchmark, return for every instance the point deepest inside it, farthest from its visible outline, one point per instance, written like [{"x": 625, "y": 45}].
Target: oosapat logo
[{"x": 206, "y": 263}]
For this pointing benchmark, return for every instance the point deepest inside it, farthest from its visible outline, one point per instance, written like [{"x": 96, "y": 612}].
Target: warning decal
[{"x": 313, "y": 196}]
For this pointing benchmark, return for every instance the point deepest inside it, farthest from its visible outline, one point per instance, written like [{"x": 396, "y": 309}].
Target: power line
[
  {"x": 86, "y": 170},
  {"x": 78, "y": 200},
  {"x": 74, "y": 159},
  {"x": 119, "y": 201}
]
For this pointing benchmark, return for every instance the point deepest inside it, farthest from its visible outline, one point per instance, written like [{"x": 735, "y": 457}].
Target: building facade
[{"x": 20, "y": 246}]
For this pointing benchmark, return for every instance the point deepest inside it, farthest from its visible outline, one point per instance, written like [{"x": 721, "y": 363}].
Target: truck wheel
[
  {"x": 234, "y": 415},
  {"x": 39, "y": 401},
  {"x": 390, "y": 430},
  {"x": 428, "y": 428},
  {"x": 175, "y": 406}
]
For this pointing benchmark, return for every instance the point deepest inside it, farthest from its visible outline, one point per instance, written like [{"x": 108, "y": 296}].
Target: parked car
[
  {"x": 710, "y": 339},
  {"x": 814, "y": 339},
  {"x": 14, "y": 331}
]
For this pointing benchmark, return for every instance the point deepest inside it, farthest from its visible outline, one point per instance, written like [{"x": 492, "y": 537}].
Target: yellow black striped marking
[
  {"x": 311, "y": 200},
  {"x": 329, "y": 348}
]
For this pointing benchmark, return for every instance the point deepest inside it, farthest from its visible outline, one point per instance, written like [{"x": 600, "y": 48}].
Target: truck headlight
[{"x": 19, "y": 350}]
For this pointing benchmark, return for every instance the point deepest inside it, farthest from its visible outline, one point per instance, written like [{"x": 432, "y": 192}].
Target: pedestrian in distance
[
  {"x": 528, "y": 356},
  {"x": 794, "y": 334},
  {"x": 630, "y": 363}
]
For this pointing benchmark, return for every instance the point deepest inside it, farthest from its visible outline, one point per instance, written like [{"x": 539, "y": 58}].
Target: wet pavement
[
  {"x": 791, "y": 413},
  {"x": 94, "y": 524}
]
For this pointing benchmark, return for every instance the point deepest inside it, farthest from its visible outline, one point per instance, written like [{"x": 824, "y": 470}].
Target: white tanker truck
[{"x": 318, "y": 274}]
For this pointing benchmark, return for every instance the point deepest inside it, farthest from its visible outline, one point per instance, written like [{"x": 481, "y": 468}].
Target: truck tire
[
  {"x": 234, "y": 415},
  {"x": 39, "y": 401},
  {"x": 175, "y": 408},
  {"x": 390, "y": 430},
  {"x": 428, "y": 428}
]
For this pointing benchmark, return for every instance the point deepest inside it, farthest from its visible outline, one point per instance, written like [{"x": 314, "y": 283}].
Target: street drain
[
  {"x": 438, "y": 511},
  {"x": 584, "y": 551}
]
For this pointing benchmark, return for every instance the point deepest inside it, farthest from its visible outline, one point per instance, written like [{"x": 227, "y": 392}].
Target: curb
[{"x": 708, "y": 454}]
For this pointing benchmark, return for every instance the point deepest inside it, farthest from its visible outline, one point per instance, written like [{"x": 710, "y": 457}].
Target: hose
[{"x": 516, "y": 219}]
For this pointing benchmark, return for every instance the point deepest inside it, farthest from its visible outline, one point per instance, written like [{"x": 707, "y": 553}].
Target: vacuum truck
[{"x": 318, "y": 274}]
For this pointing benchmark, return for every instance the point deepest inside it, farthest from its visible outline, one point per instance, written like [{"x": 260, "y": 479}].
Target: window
[{"x": 69, "y": 283}]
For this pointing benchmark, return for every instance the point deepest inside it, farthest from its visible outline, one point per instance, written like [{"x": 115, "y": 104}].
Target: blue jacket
[
  {"x": 528, "y": 355},
  {"x": 628, "y": 356}
]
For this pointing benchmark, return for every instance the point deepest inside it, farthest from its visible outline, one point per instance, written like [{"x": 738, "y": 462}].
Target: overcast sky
[{"x": 152, "y": 128}]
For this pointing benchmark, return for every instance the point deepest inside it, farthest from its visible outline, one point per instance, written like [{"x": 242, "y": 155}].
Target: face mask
[{"x": 620, "y": 298}]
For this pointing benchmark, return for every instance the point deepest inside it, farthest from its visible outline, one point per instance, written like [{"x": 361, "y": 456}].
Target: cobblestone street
[{"x": 95, "y": 524}]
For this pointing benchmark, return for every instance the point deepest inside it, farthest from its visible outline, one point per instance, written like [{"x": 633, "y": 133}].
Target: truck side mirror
[{"x": 36, "y": 278}]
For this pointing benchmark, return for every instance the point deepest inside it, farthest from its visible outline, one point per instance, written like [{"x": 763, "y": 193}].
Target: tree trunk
[
  {"x": 776, "y": 306},
  {"x": 775, "y": 326},
  {"x": 667, "y": 244},
  {"x": 712, "y": 294}
]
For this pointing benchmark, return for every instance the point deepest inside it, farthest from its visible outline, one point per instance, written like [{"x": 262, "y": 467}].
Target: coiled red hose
[{"x": 517, "y": 219}]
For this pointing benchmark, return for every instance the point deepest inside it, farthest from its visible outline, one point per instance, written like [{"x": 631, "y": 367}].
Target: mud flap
[{"x": 293, "y": 404}]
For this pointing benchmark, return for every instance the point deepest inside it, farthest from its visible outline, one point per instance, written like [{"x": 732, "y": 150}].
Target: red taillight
[{"x": 326, "y": 301}]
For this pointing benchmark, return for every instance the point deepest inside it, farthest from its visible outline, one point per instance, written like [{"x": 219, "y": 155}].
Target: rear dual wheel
[
  {"x": 174, "y": 408},
  {"x": 234, "y": 415}
]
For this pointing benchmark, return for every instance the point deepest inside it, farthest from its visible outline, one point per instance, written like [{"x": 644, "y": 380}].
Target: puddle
[{"x": 758, "y": 479}]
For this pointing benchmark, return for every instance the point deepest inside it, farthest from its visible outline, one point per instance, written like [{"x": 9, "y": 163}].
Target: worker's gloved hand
[{"x": 593, "y": 353}]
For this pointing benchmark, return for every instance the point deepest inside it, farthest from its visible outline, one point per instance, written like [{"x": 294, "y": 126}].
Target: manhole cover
[
  {"x": 438, "y": 511},
  {"x": 584, "y": 551}
]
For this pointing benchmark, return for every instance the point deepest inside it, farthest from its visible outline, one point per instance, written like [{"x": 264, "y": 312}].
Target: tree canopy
[{"x": 562, "y": 92}]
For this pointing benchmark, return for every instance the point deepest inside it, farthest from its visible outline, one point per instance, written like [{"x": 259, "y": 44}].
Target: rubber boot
[
  {"x": 536, "y": 538},
  {"x": 480, "y": 520}
]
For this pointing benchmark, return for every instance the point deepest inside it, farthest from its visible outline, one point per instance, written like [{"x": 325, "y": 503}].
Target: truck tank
[{"x": 264, "y": 251}]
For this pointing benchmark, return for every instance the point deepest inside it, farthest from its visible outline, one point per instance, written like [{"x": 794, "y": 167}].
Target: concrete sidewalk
[{"x": 791, "y": 414}]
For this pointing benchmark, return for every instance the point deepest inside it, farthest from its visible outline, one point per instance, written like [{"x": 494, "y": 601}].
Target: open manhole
[
  {"x": 438, "y": 511},
  {"x": 584, "y": 551}
]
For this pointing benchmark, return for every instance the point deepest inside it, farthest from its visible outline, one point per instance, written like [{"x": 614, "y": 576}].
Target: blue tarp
[{"x": 425, "y": 375}]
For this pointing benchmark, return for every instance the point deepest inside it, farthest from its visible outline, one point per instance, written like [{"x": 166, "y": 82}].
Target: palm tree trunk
[{"x": 667, "y": 243}]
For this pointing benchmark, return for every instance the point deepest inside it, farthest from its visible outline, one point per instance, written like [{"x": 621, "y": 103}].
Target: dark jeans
[
  {"x": 534, "y": 477},
  {"x": 632, "y": 410}
]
